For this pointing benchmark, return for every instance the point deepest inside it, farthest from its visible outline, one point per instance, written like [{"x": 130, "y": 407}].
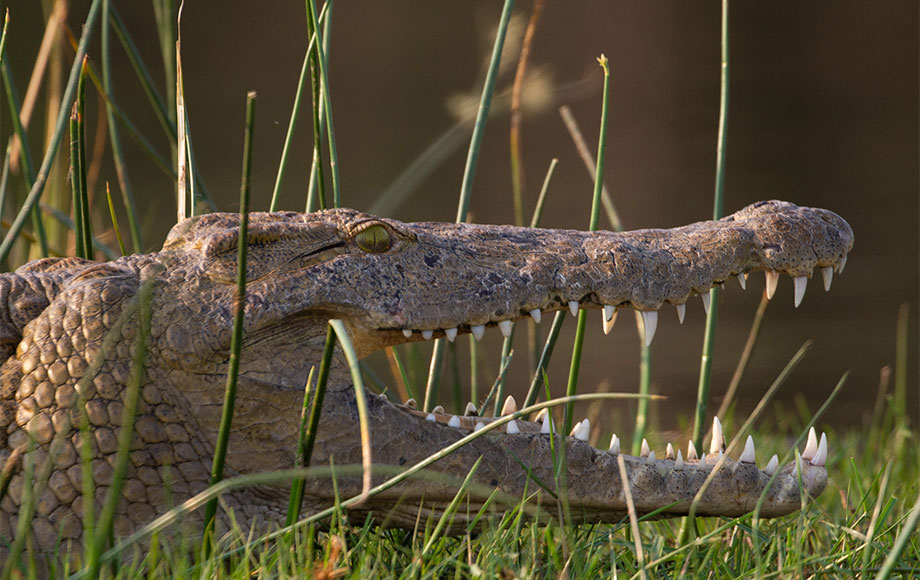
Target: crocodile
[{"x": 69, "y": 332}]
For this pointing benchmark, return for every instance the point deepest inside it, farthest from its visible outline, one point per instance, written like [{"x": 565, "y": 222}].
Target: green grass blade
[
  {"x": 538, "y": 210},
  {"x": 327, "y": 104},
  {"x": 77, "y": 179},
  {"x": 351, "y": 356},
  {"x": 52, "y": 145},
  {"x": 595, "y": 218},
  {"x": 87, "y": 226},
  {"x": 702, "y": 398},
  {"x": 537, "y": 383},
  {"x": 295, "y": 501},
  {"x": 121, "y": 242},
  {"x": 906, "y": 533},
  {"x": 236, "y": 340},
  {"x": 469, "y": 172}
]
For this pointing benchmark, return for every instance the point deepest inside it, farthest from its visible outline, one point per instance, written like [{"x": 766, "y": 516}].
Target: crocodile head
[{"x": 393, "y": 282}]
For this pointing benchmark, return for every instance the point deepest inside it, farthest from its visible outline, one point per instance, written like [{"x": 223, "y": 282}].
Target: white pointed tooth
[
  {"x": 650, "y": 319},
  {"x": 770, "y": 469},
  {"x": 478, "y": 330},
  {"x": 583, "y": 431},
  {"x": 669, "y": 452},
  {"x": 450, "y": 333},
  {"x": 609, "y": 317},
  {"x": 479, "y": 425},
  {"x": 614, "y": 445},
  {"x": 812, "y": 446},
  {"x": 439, "y": 410},
  {"x": 707, "y": 298},
  {"x": 742, "y": 281},
  {"x": 748, "y": 455},
  {"x": 407, "y": 333},
  {"x": 573, "y": 307},
  {"x": 505, "y": 327},
  {"x": 510, "y": 406},
  {"x": 772, "y": 281},
  {"x": 679, "y": 462},
  {"x": 841, "y": 264},
  {"x": 547, "y": 423},
  {"x": 427, "y": 334},
  {"x": 716, "y": 444},
  {"x": 702, "y": 464},
  {"x": 645, "y": 449},
  {"x": 431, "y": 417},
  {"x": 651, "y": 456},
  {"x": 575, "y": 429},
  {"x": 609, "y": 311},
  {"x": 820, "y": 457},
  {"x": 800, "y": 282},
  {"x": 691, "y": 451},
  {"x": 536, "y": 315},
  {"x": 454, "y": 421},
  {"x": 513, "y": 428},
  {"x": 411, "y": 404},
  {"x": 828, "y": 275},
  {"x": 470, "y": 410},
  {"x": 541, "y": 415},
  {"x": 681, "y": 311}
]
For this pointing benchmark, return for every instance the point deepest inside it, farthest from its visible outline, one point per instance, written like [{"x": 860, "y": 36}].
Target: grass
[{"x": 865, "y": 524}]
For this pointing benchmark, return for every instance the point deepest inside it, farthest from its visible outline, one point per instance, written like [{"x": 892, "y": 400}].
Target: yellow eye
[{"x": 374, "y": 239}]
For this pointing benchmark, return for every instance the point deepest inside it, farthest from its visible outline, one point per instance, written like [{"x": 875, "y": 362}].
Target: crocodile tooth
[
  {"x": 772, "y": 281},
  {"x": 608, "y": 318},
  {"x": 645, "y": 449},
  {"x": 431, "y": 417},
  {"x": 650, "y": 319},
  {"x": 536, "y": 315},
  {"x": 479, "y": 425},
  {"x": 681, "y": 311},
  {"x": 651, "y": 457},
  {"x": 407, "y": 333},
  {"x": 716, "y": 444},
  {"x": 679, "y": 462},
  {"x": 614, "y": 445},
  {"x": 702, "y": 464},
  {"x": 707, "y": 298},
  {"x": 411, "y": 404},
  {"x": 800, "y": 282},
  {"x": 748, "y": 455},
  {"x": 541, "y": 414},
  {"x": 454, "y": 421},
  {"x": 770, "y": 469},
  {"x": 841, "y": 264},
  {"x": 828, "y": 275},
  {"x": 450, "y": 333},
  {"x": 470, "y": 410},
  {"x": 691, "y": 451},
  {"x": 575, "y": 429},
  {"x": 609, "y": 312},
  {"x": 513, "y": 428},
  {"x": 812, "y": 446},
  {"x": 509, "y": 407},
  {"x": 742, "y": 281},
  {"x": 583, "y": 430},
  {"x": 820, "y": 457},
  {"x": 438, "y": 410},
  {"x": 547, "y": 423},
  {"x": 427, "y": 334},
  {"x": 478, "y": 330},
  {"x": 573, "y": 307},
  {"x": 505, "y": 327},
  {"x": 669, "y": 452}
]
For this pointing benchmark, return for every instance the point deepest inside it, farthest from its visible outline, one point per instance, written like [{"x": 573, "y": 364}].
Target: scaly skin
[{"x": 390, "y": 282}]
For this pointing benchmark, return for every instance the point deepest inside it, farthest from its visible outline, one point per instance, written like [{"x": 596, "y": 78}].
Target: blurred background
[{"x": 823, "y": 112}]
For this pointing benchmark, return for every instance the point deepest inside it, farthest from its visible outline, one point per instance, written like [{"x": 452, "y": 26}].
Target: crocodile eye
[{"x": 374, "y": 239}]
